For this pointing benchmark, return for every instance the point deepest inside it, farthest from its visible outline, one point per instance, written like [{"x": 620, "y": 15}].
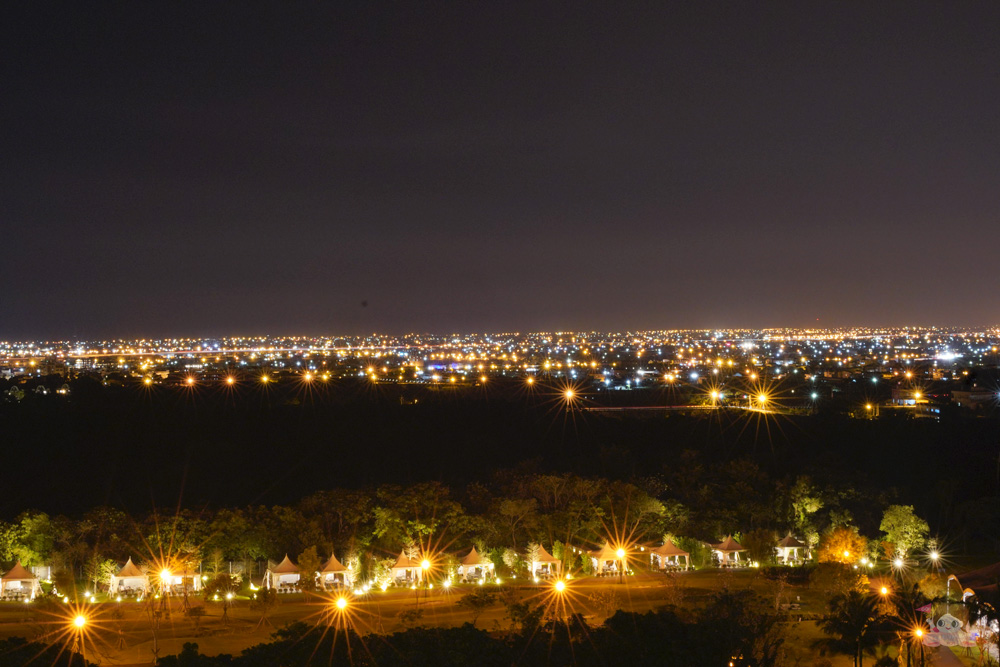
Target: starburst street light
[
  {"x": 621, "y": 564},
  {"x": 78, "y": 626}
]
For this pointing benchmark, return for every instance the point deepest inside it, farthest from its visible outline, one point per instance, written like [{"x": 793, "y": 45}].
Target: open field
[{"x": 130, "y": 639}]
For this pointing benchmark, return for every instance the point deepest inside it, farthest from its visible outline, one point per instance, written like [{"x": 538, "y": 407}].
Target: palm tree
[{"x": 852, "y": 623}]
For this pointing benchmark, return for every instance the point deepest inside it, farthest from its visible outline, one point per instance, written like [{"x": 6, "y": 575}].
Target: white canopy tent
[
  {"x": 606, "y": 560},
  {"x": 788, "y": 549},
  {"x": 669, "y": 555},
  {"x": 334, "y": 573},
  {"x": 728, "y": 551},
  {"x": 475, "y": 566},
  {"x": 545, "y": 564},
  {"x": 283, "y": 576},
  {"x": 407, "y": 570},
  {"x": 130, "y": 580},
  {"x": 19, "y": 582},
  {"x": 188, "y": 580}
]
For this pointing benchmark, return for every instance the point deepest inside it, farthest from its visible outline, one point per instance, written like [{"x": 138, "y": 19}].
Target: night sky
[{"x": 230, "y": 168}]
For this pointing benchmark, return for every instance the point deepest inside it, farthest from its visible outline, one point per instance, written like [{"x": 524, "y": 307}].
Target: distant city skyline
[{"x": 202, "y": 169}]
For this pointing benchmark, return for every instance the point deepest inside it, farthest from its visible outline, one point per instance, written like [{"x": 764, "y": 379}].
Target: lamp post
[
  {"x": 339, "y": 611},
  {"x": 425, "y": 565},
  {"x": 225, "y": 607},
  {"x": 621, "y": 565},
  {"x": 560, "y": 588},
  {"x": 164, "y": 591},
  {"x": 79, "y": 623}
]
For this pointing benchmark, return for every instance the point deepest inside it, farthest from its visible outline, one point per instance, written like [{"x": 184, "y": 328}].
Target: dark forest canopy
[{"x": 150, "y": 452}]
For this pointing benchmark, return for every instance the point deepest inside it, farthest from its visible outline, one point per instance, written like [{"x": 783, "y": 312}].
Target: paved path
[{"x": 942, "y": 657}]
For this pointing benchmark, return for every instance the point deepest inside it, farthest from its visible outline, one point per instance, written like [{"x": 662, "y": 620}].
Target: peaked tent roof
[
  {"x": 544, "y": 556},
  {"x": 130, "y": 570},
  {"x": 790, "y": 542},
  {"x": 474, "y": 559},
  {"x": 18, "y": 573},
  {"x": 333, "y": 565},
  {"x": 729, "y": 544},
  {"x": 286, "y": 566},
  {"x": 605, "y": 553},
  {"x": 404, "y": 562},
  {"x": 669, "y": 549}
]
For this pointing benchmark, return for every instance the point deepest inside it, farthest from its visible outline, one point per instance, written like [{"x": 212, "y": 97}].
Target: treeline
[
  {"x": 264, "y": 459},
  {"x": 694, "y": 501}
]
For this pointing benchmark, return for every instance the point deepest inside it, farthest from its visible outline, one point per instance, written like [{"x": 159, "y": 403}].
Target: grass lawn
[{"x": 130, "y": 639}]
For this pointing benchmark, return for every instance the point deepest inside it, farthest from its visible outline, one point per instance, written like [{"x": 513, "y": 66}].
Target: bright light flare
[{"x": 80, "y": 621}]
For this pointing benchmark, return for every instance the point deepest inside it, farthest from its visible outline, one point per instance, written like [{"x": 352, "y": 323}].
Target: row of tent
[
  {"x": 473, "y": 565},
  {"x": 131, "y": 580}
]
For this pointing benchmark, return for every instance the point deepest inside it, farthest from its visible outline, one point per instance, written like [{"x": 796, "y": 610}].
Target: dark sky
[{"x": 231, "y": 168}]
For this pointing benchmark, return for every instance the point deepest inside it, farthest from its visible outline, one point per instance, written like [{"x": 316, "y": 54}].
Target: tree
[
  {"x": 852, "y": 624},
  {"x": 842, "y": 545},
  {"x": 266, "y": 599},
  {"x": 478, "y": 601},
  {"x": 903, "y": 529},
  {"x": 99, "y": 570},
  {"x": 739, "y": 623},
  {"x": 838, "y": 579},
  {"x": 511, "y": 560},
  {"x": 760, "y": 545},
  {"x": 532, "y": 553},
  {"x": 36, "y": 540},
  {"x": 517, "y": 512},
  {"x": 308, "y": 568}
]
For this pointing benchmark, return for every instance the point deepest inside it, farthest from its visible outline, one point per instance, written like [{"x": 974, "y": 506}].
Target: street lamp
[
  {"x": 621, "y": 564},
  {"x": 79, "y": 623},
  {"x": 425, "y": 565},
  {"x": 165, "y": 590}
]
